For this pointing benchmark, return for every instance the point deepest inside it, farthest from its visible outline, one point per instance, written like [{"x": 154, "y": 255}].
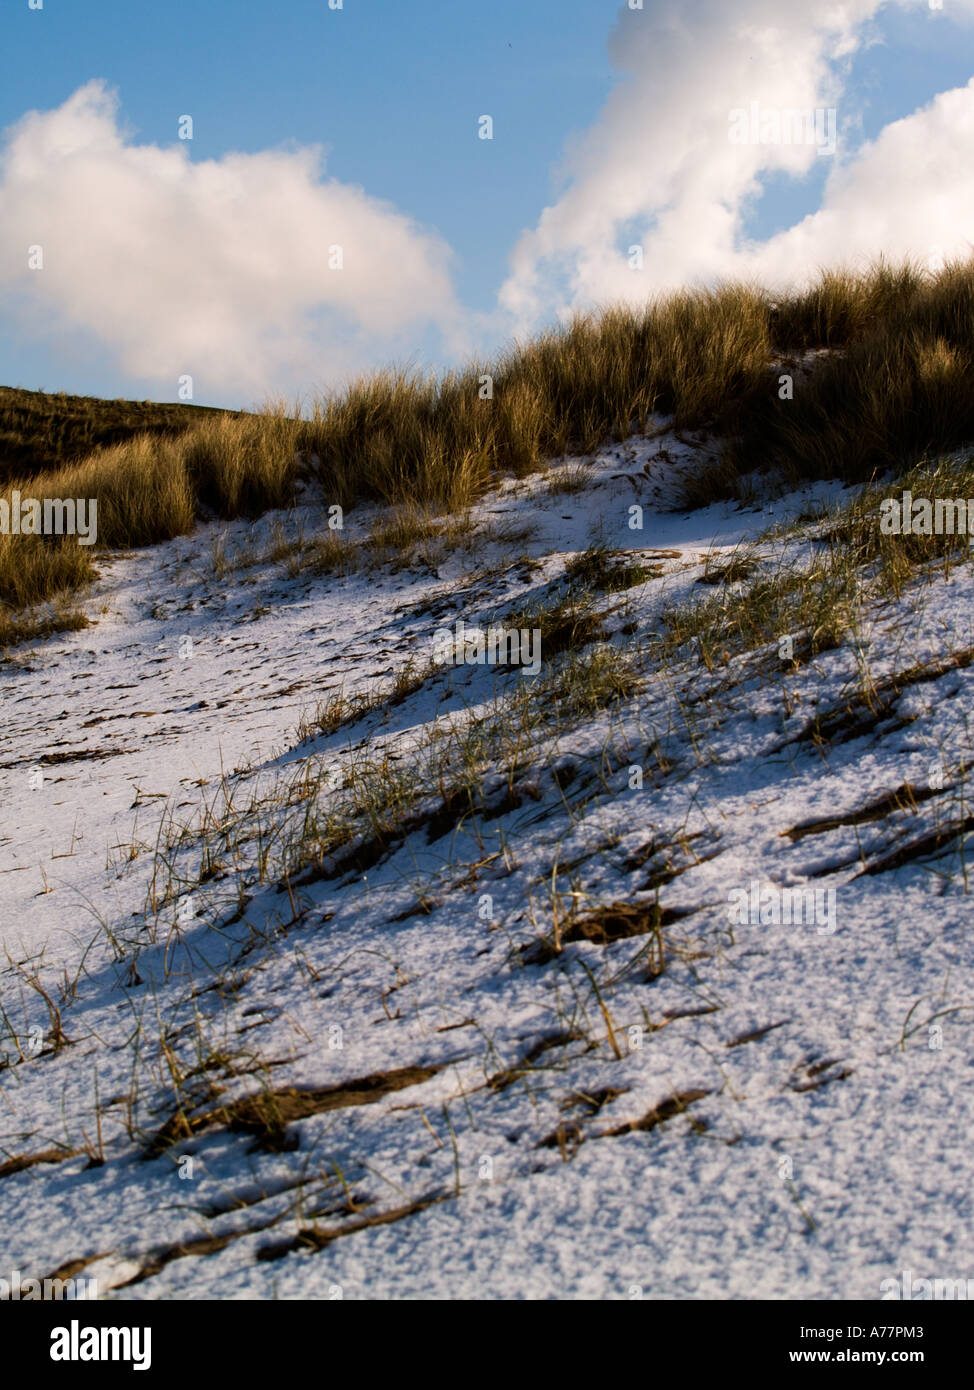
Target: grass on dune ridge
[
  {"x": 897, "y": 385},
  {"x": 41, "y": 430}
]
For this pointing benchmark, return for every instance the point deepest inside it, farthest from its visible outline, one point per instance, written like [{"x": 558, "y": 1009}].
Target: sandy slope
[{"x": 780, "y": 1111}]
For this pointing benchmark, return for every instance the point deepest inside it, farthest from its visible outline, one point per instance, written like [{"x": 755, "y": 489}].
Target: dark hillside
[{"x": 40, "y": 431}]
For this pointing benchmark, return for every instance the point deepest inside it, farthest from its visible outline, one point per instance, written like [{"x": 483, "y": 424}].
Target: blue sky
[{"x": 392, "y": 91}]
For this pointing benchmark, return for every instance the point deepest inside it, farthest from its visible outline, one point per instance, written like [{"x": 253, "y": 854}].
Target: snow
[{"x": 823, "y": 1154}]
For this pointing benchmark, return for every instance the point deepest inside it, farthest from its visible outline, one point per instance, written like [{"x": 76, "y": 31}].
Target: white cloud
[
  {"x": 658, "y": 168},
  {"x": 216, "y": 268},
  {"x": 908, "y": 193}
]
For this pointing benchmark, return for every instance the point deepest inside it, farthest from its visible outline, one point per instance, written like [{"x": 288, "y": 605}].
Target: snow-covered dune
[{"x": 484, "y": 984}]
